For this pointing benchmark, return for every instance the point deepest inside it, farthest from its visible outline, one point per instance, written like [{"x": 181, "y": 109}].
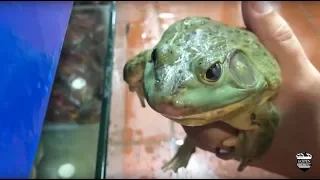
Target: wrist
[
  {"x": 310, "y": 84},
  {"x": 314, "y": 89},
  {"x": 299, "y": 104}
]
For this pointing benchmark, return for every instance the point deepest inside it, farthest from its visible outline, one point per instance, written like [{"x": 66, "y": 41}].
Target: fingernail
[{"x": 263, "y": 7}]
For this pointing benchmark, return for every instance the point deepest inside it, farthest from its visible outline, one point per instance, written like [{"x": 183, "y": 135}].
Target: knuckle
[{"x": 283, "y": 33}]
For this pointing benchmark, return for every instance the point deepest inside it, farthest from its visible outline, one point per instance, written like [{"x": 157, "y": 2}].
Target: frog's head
[{"x": 202, "y": 70}]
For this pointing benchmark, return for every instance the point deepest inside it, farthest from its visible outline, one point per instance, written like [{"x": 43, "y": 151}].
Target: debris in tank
[{"x": 76, "y": 92}]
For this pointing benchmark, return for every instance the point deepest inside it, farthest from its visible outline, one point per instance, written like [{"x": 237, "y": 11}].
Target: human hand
[{"x": 296, "y": 100}]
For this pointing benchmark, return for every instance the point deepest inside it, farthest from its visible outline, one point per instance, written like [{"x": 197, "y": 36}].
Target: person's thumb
[
  {"x": 297, "y": 72},
  {"x": 274, "y": 33}
]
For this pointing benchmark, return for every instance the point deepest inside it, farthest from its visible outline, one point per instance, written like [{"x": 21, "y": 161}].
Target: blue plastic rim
[{"x": 31, "y": 38}]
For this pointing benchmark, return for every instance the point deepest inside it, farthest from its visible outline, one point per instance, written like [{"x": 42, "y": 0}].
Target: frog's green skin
[{"x": 180, "y": 78}]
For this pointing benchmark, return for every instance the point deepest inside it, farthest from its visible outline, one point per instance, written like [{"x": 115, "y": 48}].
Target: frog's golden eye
[
  {"x": 154, "y": 56},
  {"x": 213, "y": 73}
]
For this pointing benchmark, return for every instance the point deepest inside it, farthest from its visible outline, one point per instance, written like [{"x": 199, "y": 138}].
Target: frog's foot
[
  {"x": 181, "y": 158},
  {"x": 233, "y": 143},
  {"x": 243, "y": 164},
  {"x": 140, "y": 94},
  {"x": 33, "y": 173},
  {"x": 141, "y": 98}
]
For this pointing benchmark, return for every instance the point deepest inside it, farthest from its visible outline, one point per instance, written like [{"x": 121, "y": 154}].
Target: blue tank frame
[{"x": 31, "y": 38}]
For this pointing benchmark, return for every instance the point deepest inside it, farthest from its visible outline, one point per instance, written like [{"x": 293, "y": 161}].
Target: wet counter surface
[{"x": 141, "y": 140}]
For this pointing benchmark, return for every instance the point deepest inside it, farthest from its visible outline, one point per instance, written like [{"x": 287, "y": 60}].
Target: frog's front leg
[
  {"x": 182, "y": 157},
  {"x": 252, "y": 144},
  {"x": 133, "y": 74}
]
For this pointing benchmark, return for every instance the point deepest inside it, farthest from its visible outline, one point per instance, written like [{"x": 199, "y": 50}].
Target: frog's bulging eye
[
  {"x": 241, "y": 69},
  {"x": 213, "y": 73},
  {"x": 154, "y": 56}
]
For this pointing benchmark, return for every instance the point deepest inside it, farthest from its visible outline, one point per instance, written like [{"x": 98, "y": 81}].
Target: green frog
[{"x": 203, "y": 71}]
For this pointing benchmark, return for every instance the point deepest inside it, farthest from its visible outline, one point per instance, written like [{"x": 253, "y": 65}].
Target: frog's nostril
[
  {"x": 154, "y": 56},
  {"x": 158, "y": 85}
]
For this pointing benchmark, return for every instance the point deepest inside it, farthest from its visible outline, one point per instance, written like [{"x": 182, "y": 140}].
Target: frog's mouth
[
  {"x": 203, "y": 118},
  {"x": 225, "y": 114}
]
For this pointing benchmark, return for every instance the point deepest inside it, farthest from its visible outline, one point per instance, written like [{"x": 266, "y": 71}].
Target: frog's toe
[
  {"x": 141, "y": 99},
  {"x": 175, "y": 164},
  {"x": 243, "y": 164},
  {"x": 181, "y": 158},
  {"x": 33, "y": 173}
]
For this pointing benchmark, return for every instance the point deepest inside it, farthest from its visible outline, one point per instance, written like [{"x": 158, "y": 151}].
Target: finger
[{"x": 274, "y": 32}]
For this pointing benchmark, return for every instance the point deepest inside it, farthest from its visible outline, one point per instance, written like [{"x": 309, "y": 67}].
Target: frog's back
[{"x": 204, "y": 37}]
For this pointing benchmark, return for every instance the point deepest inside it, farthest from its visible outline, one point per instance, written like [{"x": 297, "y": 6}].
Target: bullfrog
[{"x": 203, "y": 71}]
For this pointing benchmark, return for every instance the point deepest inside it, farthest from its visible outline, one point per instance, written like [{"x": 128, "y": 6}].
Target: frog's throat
[{"x": 223, "y": 113}]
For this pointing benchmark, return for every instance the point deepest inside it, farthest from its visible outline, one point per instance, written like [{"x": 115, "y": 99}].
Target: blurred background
[{"x": 140, "y": 140}]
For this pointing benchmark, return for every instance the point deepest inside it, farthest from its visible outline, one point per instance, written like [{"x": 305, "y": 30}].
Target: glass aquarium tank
[{"x": 74, "y": 137}]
